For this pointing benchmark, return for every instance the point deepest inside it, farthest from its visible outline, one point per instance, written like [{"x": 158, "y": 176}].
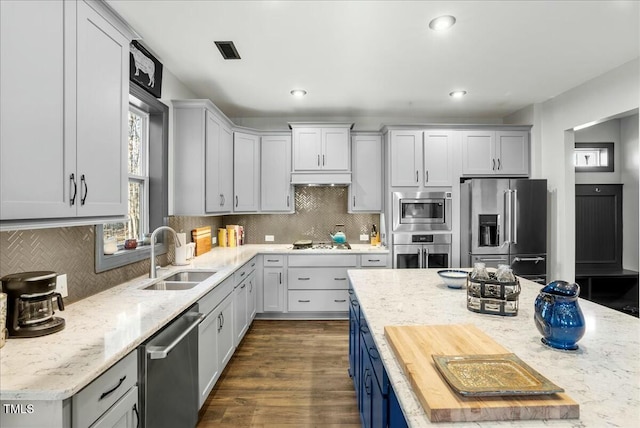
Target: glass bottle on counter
[{"x": 479, "y": 272}]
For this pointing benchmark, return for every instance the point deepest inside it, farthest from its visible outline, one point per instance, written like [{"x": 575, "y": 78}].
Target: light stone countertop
[
  {"x": 105, "y": 327},
  {"x": 603, "y": 376}
]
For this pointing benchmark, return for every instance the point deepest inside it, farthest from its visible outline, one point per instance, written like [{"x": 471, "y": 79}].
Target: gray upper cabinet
[
  {"x": 365, "y": 192},
  {"x": 276, "y": 191},
  {"x": 421, "y": 158},
  {"x": 203, "y": 159},
  {"x": 246, "y": 172},
  {"x": 63, "y": 130},
  {"x": 438, "y": 157},
  {"x": 323, "y": 148},
  {"x": 406, "y": 158},
  {"x": 486, "y": 152}
]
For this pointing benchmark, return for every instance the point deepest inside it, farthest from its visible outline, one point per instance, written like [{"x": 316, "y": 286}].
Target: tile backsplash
[{"x": 70, "y": 250}]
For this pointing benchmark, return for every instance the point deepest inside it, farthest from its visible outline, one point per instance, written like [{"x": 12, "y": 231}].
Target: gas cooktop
[{"x": 319, "y": 245}]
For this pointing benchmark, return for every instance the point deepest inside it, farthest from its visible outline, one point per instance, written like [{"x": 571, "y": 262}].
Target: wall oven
[
  {"x": 421, "y": 251},
  {"x": 421, "y": 211}
]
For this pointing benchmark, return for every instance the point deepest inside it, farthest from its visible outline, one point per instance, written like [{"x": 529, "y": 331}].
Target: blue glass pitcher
[{"x": 558, "y": 316}]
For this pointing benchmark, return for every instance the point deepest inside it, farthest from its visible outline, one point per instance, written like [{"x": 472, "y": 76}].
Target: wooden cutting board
[
  {"x": 202, "y": 237},
  {"x": 414, "y": 346}
]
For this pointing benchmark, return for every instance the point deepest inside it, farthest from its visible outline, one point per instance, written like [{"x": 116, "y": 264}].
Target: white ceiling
[{"x": 379, "y": 58}]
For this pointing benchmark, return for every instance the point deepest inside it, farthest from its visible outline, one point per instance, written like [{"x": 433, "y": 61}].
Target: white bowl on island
[{"x": 453, "y": 278}]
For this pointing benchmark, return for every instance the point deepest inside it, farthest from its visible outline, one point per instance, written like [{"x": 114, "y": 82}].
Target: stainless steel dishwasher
[{"x": 169, "y": 374}]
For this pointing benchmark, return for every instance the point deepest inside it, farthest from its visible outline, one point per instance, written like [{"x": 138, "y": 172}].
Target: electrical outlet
[
  {"x": 268, "y": 238},
  {"x": 214, "y": 240},
  {"x": 61, "y": 285},
  {"x": 364, "y": 237}
]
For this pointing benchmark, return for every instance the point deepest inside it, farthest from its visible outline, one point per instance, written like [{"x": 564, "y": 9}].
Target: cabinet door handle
[
  {"x": 221, "y": 199},
  {"x": 340, "y": 300},
  {"x": 339, "y": 279},
  {"x": 222, "y": 318},
  {"x": 135, "y": 410},
  {"x": 499, "y": 164},
  {"x": 318, "y": 160},
  {"x": 250, "y": 287},
  {"x": 426, "y": 176},
  {"x": 494, "y": 164},
  {"x": 280, "y": 275},
  {"x": 366, "y": 382},
  {"x": 219, "y": 322},
  {"x": 83, "y": 181},
  {"x": 322, "y": 160},
  {"x": 354, "y": 201},
  {"x": 417, "y": 175},
  {"x": 105, "y": 394},
  {"x": 73, "y": 183},
  {"x": 236, "y": 201},
  {"x": 304, "y": 301},
  {"x": 287, "y": 200}
]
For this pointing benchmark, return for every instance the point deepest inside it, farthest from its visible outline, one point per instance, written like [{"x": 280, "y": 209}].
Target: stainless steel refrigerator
[{"x": 504, "y": 221}]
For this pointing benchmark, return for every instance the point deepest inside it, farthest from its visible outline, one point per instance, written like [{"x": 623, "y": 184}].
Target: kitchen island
[{"x": 603, "y": 376}]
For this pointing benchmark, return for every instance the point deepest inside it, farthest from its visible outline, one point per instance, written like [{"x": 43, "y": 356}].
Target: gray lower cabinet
[
  {"x": 79, "y": 146},
  {"x": 244, "y": 300},
  {"x": 215, "y": 336},
  {"x": 273, "y": 283},
  {"x": 319, "y": 283},
  {"x": 111, "y": 400}
]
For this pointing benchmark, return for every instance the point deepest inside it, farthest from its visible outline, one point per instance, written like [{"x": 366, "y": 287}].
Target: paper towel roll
[{"x": 181, "y": 251}]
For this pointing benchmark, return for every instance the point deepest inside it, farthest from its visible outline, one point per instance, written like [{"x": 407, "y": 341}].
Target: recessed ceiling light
[
  {"x": 298, "y": 93},
  {"x": 457, "y": 94},
  {"x": 442, "y": 22}
]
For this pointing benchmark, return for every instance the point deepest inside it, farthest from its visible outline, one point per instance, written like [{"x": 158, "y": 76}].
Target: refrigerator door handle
[
  {"x": 507, "y": 218},
  {"x": 424, "y": 258},
  {"x": 515, "y": 216}
]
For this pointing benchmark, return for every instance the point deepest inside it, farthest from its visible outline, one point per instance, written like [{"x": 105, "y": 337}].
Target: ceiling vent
[{"x": 228, "y": 50}]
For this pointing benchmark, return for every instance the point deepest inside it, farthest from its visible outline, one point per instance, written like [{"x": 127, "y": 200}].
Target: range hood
[{"x": 321, "y": 179}]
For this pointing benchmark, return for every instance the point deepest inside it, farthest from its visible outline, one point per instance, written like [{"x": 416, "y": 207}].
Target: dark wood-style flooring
[{"x": 286, "y": 374}]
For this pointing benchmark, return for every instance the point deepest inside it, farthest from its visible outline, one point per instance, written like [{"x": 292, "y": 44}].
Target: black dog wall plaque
[{"x": 145, "y": 69}]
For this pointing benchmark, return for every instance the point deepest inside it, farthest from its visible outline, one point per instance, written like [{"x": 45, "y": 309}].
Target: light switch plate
[
  {"x": 268, "y": 238},
  {"x": 61, "y": 285},
  {"x": 214, "y": 240},
  {"x": 364, "y": 237}
]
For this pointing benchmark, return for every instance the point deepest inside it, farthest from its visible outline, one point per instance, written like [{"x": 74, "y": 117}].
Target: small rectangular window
[{"x": 593, "y": 157}]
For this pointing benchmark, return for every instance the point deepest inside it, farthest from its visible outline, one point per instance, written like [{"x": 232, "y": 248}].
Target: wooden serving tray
[{"x": 414, "y": 347}]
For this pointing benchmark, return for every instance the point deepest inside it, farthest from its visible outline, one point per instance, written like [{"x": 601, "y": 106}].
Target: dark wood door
[{"x": 598, "y": 226}]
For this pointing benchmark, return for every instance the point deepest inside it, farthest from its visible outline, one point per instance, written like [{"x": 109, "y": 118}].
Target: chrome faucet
[{"x": 152, "y": 269}]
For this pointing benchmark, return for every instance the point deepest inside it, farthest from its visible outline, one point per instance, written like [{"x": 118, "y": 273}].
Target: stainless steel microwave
[{"x": 421, "y": 211}]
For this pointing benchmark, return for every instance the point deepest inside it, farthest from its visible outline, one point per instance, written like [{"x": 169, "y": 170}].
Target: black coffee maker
[{"x": 30, "y": 303}]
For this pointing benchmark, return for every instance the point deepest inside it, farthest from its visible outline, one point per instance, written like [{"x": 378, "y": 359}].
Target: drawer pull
[
  {"x": 105, "y": 394},
  {"x": 339, "y": 279},
  {"x": 303, "y": 279},
  {"x": 272, "y": 260},
  {"x": 304, "y": 301},
  {"x": 374, "y": 353},
  {"x": 373, "y": 260},
  {"x": 242, "y": 274},
  {"x": 243, "y": 286},
  {"x": 340, "y": 300}
]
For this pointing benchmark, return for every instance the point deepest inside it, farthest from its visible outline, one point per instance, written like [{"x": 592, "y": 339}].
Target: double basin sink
[{"x": 184, "y": 280}]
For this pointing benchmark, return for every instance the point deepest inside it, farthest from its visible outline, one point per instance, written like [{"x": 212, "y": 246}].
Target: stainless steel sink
[
  {"x": 171, "y": 285},
  {"x": 184, "y": 280},
  {"x": 190, "y": 276}
]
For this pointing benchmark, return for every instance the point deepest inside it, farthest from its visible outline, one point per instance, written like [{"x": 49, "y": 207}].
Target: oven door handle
[
  {"x": 424, "y": 258},
  {"x": 160, "y": 352}
]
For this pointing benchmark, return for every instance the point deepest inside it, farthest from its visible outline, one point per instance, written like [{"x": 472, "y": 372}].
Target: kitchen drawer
[
  {"x": 243, "y": 272},
  {"x": 97, "y": 397},
  {"x": 318, "y": 278},
  {"x": 318, "y": 301},
  {"x": 213, "y": 298},
  {"x": 328, "y": 260},
  {"x": 373, "y": 260},
  {"x": 273, "y": 260}
]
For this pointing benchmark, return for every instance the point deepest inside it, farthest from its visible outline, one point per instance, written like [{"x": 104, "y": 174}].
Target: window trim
[{"x": 157, "y": 186}]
